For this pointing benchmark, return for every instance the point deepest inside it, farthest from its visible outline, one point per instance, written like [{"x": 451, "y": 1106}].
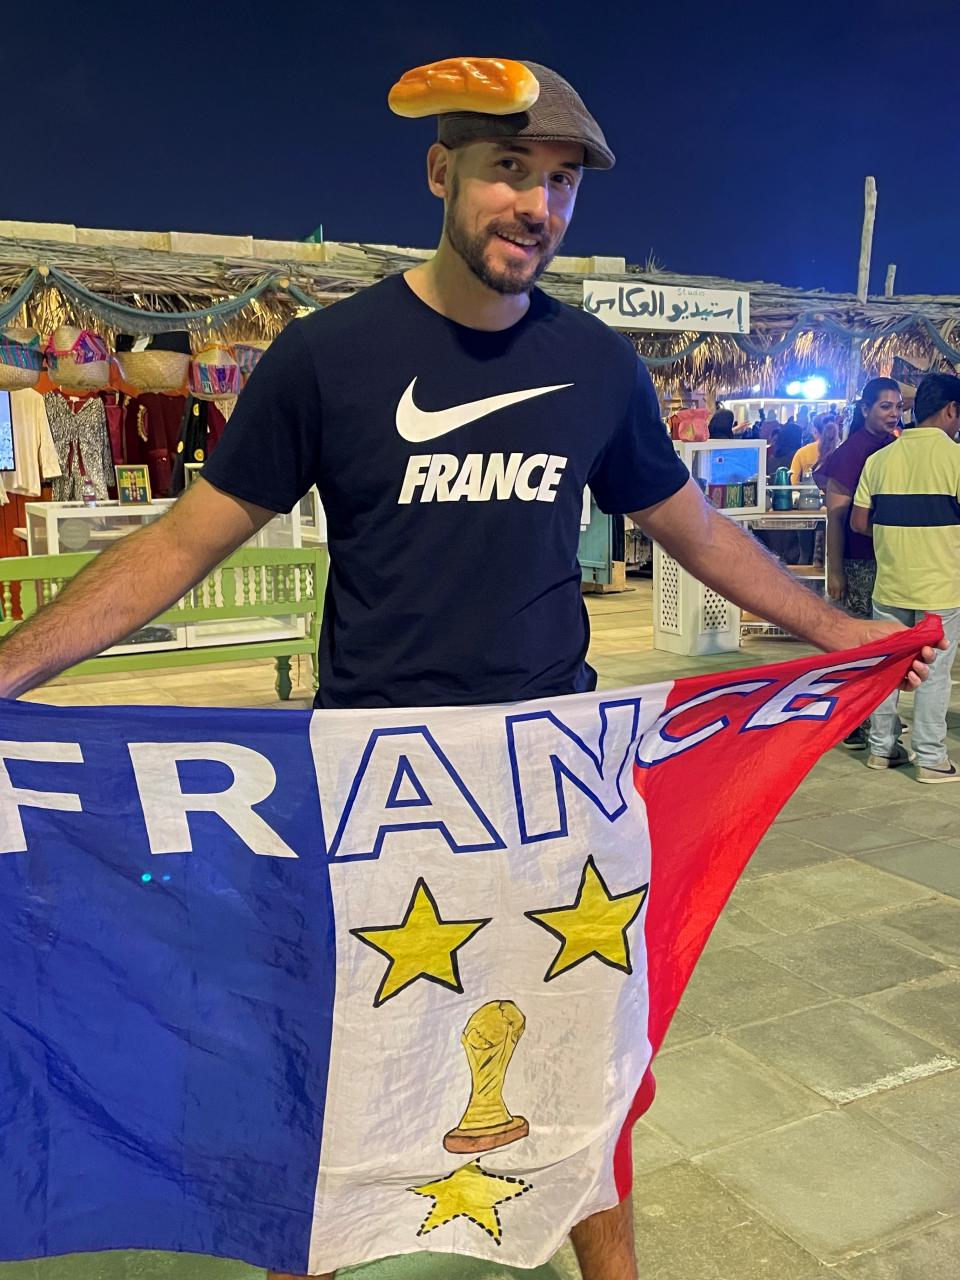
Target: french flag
[{"x": 312, "y": 989}]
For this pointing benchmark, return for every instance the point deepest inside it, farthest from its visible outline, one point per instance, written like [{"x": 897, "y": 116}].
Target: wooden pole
[
  {"x": 891, "y": 277},
  {"x": 863, "y": 276},
  {"x": 866, "y": 237}
]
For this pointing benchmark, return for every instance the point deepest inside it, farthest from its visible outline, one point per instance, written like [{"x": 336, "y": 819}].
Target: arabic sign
[{"x": 666, "y": 307}]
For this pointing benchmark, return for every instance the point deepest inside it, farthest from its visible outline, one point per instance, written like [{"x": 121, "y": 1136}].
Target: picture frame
[{"x": 133, "y": 485}]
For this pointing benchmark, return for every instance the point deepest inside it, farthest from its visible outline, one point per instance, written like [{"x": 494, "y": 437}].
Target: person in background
[
  {"x": 721, "y": 425},
  {"x": 851, "y": 564},
  {"x": 783, "y": 448},
  {"x": 826, "y": 431},
  {"x": 909, "y": 499}
]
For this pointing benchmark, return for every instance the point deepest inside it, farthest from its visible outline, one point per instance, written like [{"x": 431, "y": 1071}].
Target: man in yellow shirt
[{"x": 909, "y": 499}]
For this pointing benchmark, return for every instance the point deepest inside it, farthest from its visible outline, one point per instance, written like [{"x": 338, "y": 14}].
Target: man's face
[{"x": 508, "y": 208}]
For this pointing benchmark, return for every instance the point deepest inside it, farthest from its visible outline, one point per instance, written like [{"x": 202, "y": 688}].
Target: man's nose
[{"x": 533, "y": 202}]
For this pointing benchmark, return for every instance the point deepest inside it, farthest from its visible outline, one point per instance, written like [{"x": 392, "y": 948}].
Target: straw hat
[
  {"x": 153, "y": 370},
  {"x": 20, "y": 358},
  {"x": 248, "y": 355},
  {"x": 68, "y": 358},
  {"x": 214, "y": 373}
]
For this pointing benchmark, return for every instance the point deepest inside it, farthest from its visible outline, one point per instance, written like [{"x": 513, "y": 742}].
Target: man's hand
[{"x": 866, "y": 632}]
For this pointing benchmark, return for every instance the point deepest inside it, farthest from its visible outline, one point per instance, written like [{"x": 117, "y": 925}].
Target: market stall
[{"x": 143, "y": 340}]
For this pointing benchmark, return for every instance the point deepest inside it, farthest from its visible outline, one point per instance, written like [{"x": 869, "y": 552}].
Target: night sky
[{"x": 743, "y": 131}]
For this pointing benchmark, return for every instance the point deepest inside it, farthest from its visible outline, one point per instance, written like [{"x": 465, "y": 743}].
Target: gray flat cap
[{"x": 558, "y": 115}]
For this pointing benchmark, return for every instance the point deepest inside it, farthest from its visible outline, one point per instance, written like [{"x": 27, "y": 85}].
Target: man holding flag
[{"x": 451, "y": 417}]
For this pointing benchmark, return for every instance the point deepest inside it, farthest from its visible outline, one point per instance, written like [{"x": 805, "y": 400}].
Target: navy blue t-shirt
[{"x": 451, "y": 463}]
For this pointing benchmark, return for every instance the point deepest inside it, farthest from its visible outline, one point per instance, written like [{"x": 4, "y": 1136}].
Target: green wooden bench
[{"x": 254, "y": 583}]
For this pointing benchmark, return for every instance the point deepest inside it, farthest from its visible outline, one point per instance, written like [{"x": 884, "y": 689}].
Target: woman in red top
[{"x": 852, "y": 566}]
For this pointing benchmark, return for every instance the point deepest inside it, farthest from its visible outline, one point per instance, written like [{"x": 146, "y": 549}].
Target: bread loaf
[{"x": 494, "y": 86}]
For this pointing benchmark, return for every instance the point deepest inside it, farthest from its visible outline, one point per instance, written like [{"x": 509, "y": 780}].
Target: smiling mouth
[{"x": 526, "y": 245}]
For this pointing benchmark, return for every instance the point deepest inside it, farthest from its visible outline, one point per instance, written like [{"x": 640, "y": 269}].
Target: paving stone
[
  {"x": 849, "y": 833},
  {"x": 924, "y": 1112},
  {"x": 443, "y": 1266},
  {"x": 930, "y": 1009},
  {"x": 815, "y": 800},
  {"x": 835, "y": 1183},
  {"x": 737, "y": 928},
  {"x": 20, "y": 1270},
  {"x": 712, "y": 1093},
  {"x": 933, "y": 863},
  {"x": 783, "y": 851},
  {"x": 848, "y": 888},
  {"x": 137, "y": 1265},
  {"x": 778, "y": 907},
  {"x": 843, "y": 1052},
  {"x": 928, "y": 815},
  {"x": 684, "y": 1027},
  {"x": 845, "y": 959},
  {"x": 931, "y": 1255},
  {"x": 651, "y": 1150},
  {"x": 733, "y": 986},
  {"x": 930, "y": 927},
  {"x": 691, "y": 1228}
]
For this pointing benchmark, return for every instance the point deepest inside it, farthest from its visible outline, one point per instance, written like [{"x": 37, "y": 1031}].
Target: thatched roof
[{"x": 805, "y": 329}]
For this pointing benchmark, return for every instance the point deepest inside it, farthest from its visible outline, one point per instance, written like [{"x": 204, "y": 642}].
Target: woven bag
[
  {"x": 153, "y": 370},
  {"x": 20, "y": 359},
  {"x": 77, "y": 358},
  {"x": 214, "y": 373}
]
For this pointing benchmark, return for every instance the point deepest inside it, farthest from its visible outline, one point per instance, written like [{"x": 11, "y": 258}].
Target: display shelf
[
  {"x": 54, "y": 528},
  {"x": 731, "y": 474}
]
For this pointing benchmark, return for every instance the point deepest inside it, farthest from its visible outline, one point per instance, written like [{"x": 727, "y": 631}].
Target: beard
[{"x": 471, "y": 247}]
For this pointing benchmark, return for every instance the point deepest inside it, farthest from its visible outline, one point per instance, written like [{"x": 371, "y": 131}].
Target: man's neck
[{"x": 447, "y": 285}]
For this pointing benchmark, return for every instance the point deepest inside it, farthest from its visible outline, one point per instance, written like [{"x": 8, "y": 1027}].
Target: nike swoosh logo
[{"x": 418, "y": 425}]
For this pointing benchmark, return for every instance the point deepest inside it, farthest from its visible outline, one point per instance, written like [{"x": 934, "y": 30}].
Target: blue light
[
  {"x": 813, "y": 388},
  {"x": 146, "y": 877},
  {"x": 164, "y": 878}
]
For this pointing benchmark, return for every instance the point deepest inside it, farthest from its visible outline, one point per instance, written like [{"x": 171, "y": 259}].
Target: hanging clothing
[
  {"x": 114, "y": 412},
  {"x": 83, "y": 446},
  {"x": 34, "y": 455},
  {"x": 151, "y": 429},
  {"x": 200, "y": 433}
]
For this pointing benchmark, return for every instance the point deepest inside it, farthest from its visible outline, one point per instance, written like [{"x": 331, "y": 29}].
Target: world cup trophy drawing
[{"x": 489, "y": 1040}]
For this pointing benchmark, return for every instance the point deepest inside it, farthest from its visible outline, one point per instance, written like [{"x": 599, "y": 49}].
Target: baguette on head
[{"x": 494, "y": 86}]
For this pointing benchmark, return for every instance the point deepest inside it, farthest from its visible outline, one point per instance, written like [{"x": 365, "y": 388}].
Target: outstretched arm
[
  {"x": 127, "y": 585},
  {"x": 723, "y": 556}
]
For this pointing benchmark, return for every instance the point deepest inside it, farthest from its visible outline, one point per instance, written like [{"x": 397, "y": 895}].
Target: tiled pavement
[{"x": 807, "y": 1123}]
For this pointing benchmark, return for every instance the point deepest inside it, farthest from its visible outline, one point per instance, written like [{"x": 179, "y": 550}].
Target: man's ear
[{"x": 439, "y": 169}]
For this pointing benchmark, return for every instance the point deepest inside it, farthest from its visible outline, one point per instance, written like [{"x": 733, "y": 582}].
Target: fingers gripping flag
[{"x": 309, "y": 990}]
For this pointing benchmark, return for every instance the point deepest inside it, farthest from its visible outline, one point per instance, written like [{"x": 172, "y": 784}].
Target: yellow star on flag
[
  {"x": 471, "y": 1193},
  {"x": 422, "y": 945},
  {"x": 595, "y": 925}
]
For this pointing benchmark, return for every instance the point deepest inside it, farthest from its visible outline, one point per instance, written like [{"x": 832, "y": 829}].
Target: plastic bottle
[{"x": 88, "y": 492}]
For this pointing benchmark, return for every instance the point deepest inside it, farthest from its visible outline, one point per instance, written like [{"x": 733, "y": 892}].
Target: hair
[
  {"x": 871, "y": 393},
  {"x": 934, "y": 393},
  {"x": 721, "y": 425},
  {"x": 828, "y": 429},
  {"x": 789, "y": 440}
]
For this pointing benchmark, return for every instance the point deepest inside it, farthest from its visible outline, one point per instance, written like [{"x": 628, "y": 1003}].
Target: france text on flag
[{"x": 313, "y": 989}]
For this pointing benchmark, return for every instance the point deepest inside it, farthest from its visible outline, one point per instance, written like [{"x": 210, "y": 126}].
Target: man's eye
[{"x": 510, "y": 164}]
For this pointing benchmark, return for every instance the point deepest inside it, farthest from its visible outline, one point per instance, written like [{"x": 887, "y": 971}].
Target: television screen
[
  {"x": 733, "y": 466},
  {"x": 7, "y": 460}
]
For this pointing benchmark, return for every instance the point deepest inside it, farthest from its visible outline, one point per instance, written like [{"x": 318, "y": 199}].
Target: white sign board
[{"x": 638, "y": 305}]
